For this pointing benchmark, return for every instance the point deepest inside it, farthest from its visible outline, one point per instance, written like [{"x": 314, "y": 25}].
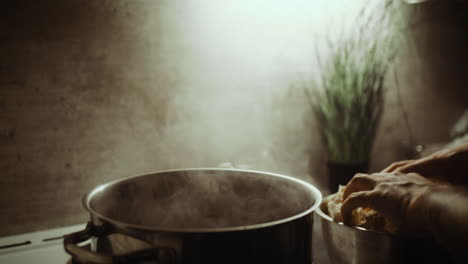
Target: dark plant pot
[{"x": 341, "y": 173}]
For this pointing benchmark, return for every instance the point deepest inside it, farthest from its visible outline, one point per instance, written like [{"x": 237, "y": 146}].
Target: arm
[{"x": 446, "y": 214}]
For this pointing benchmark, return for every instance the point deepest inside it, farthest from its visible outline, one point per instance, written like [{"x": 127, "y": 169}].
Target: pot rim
[{"x": 126, "y": 226}]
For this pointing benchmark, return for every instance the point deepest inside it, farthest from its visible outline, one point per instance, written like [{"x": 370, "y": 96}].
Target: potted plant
[{"x": 348, "y": 98}]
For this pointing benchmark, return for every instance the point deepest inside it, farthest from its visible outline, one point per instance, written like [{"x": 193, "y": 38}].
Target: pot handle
[{"x": 85, "y": 255}]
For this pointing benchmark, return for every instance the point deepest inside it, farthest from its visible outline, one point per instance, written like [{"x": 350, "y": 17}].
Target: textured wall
[
  {"x": 97, "y": 90},
  {"x": 431, "y": 72}
]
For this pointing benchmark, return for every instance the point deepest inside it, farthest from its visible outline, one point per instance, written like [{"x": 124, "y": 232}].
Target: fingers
[
  {"x": 412, "y": 166},
  {"x": 428, "y": 168},
  {"x": 360, "y": 182},
  {"x": 355, "y": 200},
  {"x": 397, "y": 165}
]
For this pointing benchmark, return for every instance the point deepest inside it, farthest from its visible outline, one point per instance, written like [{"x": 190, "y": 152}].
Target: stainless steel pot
[
  {"x": 199, "y": 216},
  {"x": 345, "y": 245}
]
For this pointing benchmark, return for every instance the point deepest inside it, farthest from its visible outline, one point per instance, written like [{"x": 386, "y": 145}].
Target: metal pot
[
  {"x": 345, "y": 244},
  {"x": 198, "y": 216}
]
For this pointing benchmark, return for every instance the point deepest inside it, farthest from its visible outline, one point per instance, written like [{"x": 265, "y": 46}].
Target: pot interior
[{"x": 191, "y": 199}]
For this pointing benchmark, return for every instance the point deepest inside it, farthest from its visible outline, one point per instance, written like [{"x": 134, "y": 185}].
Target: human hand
[
  {"x": 397, "y": 197},
  {"x": 448, "y": 165}
]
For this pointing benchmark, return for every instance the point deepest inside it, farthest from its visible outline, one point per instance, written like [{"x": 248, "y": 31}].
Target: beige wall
[
  {"x": 97, "y": 90},
  {"x": 431, "y": 70}
]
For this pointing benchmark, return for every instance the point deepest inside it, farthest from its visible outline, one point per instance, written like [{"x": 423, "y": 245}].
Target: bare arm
[{"x": 446, "y": 214}]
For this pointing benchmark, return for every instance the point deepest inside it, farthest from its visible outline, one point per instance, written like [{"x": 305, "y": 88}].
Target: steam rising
[
  {"x": 232, "y": 64},
  {"x": 202, "y": 199}
]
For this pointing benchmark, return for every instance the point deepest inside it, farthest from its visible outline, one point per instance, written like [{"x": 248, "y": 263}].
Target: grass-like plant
[{"x": 348, "y": 103}]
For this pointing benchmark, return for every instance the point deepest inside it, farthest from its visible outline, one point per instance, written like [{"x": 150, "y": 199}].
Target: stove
[
  {"x": 43, "y": 247},
  {"x": 46, "y": 247}
]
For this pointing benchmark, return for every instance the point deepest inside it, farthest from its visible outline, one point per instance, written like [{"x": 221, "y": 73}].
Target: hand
[
  {"x": 397, "y": 197},
  {"x": 415, "y": 205},
  {"x": 448, "y": 165}
]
